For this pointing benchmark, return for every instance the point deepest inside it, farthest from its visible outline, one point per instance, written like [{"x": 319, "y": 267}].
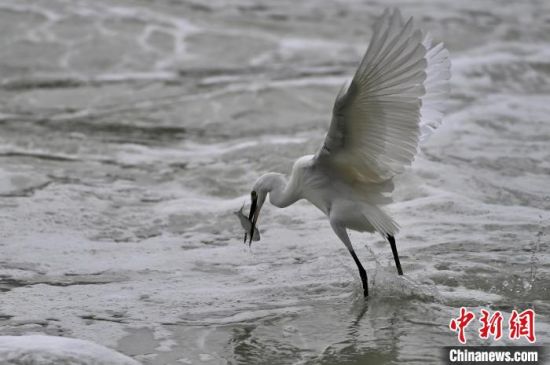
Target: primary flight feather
[{"x": 392, "y": 102}]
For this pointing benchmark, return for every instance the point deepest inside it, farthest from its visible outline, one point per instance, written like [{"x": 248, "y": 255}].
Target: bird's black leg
[
  {"x": 362, "y": 273},
  {"x": 340, "y": 231},
  {"x": 395, "y": 255}
]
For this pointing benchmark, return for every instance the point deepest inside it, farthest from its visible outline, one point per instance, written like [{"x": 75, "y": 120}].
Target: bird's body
[
  {"x": 334, "y": 197},
  {"x": 391, "y": 104}
]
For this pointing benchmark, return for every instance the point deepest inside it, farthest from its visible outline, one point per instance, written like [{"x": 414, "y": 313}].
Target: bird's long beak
[
  {"x": 253, "y": 228},
  {"x": 253, "y": 216}
]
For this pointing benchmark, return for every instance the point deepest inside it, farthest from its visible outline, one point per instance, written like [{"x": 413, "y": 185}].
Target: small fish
[{"x": 247, "y": 225}]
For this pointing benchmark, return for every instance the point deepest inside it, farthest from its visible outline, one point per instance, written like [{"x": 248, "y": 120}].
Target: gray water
[{"x": 130, "y": 131}]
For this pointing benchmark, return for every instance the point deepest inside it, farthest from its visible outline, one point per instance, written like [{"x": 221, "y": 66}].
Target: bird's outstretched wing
[{"x": 392, "y": 102}]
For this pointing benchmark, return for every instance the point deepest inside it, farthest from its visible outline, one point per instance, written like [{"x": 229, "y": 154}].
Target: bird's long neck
[{"x": 281, "y": 193}]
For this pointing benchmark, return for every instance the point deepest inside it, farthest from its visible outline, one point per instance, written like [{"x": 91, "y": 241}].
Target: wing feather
[{"x": 393, "y": 99}]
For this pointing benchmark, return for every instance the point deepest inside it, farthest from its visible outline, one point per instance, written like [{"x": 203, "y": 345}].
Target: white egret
[{"x": 393, "y": 101}]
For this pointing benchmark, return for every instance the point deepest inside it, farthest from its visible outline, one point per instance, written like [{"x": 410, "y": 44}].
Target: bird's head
[{"x": 257, "y": 198}]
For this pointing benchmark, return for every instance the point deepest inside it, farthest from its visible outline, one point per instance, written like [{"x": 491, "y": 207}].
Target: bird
[{"x": 394, "y": 100}]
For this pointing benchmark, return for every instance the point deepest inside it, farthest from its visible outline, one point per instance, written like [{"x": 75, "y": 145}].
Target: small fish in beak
[{"x": 247, "y": 226}]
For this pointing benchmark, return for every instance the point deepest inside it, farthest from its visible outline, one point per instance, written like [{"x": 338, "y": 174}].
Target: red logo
[
  {"x": 522, "y": 325},
  {"x": 519, "y": 325},
  {"x": 460, "y": 323},
  {"x": 491, "y": 325}
]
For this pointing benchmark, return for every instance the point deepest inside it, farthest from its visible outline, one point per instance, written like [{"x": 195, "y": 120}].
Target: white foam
[{"x": 47, "y": 350}]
